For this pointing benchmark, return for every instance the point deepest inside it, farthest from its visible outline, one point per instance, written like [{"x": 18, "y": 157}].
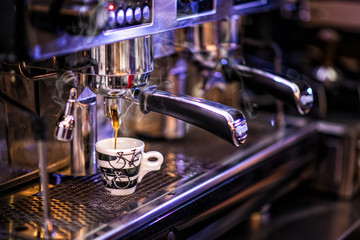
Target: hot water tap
[
  {"x": 78, "y": 126},
  {"x": 64, "y": 128}
]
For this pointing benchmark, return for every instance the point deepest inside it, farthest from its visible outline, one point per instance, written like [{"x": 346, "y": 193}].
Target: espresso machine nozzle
[
  {"x": 111, "y": 103},
  {"x": 64, "y": 128}
]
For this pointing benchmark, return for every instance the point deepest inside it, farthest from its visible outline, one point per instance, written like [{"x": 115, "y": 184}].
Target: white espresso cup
[{"x": 124, "y": 167}]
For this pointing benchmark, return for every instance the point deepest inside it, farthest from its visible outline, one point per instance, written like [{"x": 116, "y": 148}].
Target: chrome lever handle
[
  {"x": 295, "y": 92},
  {"x": 225, "y": 122}
]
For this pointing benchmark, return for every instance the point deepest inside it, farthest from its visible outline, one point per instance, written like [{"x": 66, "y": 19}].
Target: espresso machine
[{"x": 236, "y": 132}]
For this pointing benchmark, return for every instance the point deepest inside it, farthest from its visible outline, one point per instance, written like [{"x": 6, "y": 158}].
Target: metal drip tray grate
[
  {"x": 81, "y": 204},
  {"x": 80, "y": 207}
]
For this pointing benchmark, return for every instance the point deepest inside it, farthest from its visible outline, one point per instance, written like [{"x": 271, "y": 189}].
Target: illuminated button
[
  {"x": 111, "y": 7},
  {"x": 120, "y": 17},
  {"x": 146, "y": 12},
  {"x": 112, "y": 20},
  {"x": 137, "y": 14},
  {"x": 129, "y": 15}
]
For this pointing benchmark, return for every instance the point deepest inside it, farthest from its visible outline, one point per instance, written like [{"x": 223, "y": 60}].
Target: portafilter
[{"x": 121, "y": 70}]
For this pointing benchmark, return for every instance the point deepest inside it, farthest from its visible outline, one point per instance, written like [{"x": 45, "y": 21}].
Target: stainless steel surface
[
  {"x": 211, "y": 41},
  {"x": 339, "y": 172},
  {"x": 205, "y": 182},
  {"x": 216, "y": 43},
  {"x": 164, "y": 17},
  {"x": 113, "y": 86},
  {"x": 39, "y": 130},
  {"x": 44, "y": 184},
  {"x": 170, "y": 74},
  {"x": 301, "y": 214},
  {"x": 292, "y": 91},
  {"x": 21, "y": 150},
  {"x": 206, "y": 40},
  {"x": 174, "y": 128},
  {"x": 81, "y": 208},
  {"x": 110, "y": 102},
  {"x": 83, "y": 161},
  {"x": 81, "y": 205},
  {"x": 128, "y": 57},
  {"x": 225, "y": 122},
  {"x": 113, "y": 62},
  {"x": 118, "y": 66}
]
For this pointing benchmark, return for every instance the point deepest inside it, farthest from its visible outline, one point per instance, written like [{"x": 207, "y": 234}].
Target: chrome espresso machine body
[{"x": 175, "y": 73}]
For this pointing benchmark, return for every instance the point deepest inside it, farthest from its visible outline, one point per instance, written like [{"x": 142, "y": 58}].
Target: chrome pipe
[
  {"x": 44, "y": 183},
  {"x": 292, "y": 91},
  {"x": 225, "y": 122}
]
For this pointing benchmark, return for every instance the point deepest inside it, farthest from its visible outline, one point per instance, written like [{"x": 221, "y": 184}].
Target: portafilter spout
[{"x": 122, "y": 70}]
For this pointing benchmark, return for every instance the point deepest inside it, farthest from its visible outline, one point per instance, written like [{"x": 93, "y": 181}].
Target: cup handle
[{"x": 147, "y": 165}]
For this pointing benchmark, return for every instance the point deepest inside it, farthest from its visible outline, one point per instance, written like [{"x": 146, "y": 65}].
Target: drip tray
[
  {"x": 81, "y": 204},
  {"x": 81, "y": 208}
]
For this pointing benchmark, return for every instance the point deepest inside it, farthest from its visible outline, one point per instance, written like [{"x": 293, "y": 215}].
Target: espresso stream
[{"x": 115, "y": 121}]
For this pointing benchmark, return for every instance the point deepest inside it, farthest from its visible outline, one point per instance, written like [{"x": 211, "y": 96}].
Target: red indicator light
[{"x": 111, "y": 7}]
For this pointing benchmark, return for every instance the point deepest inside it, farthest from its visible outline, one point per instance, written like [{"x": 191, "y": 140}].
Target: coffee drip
[{"x": 115, "y": 120}]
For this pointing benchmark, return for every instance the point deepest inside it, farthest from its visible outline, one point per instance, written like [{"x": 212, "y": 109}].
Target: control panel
[
  {"x": 125, "y": 13},
  {"x": 88, "y": 17},
  {"x": 65, "y": 26}
]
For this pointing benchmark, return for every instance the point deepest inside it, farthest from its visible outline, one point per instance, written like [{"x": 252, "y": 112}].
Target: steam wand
[
  {"x": 65, "y": 126},
  {"x": 39, "y": 127}
]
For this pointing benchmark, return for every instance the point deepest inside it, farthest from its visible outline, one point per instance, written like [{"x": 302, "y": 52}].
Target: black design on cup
[
  {"x": 120, "y": 168},
  {"x": 120, "y": 178},
  {"x": 119, "y": 161}
]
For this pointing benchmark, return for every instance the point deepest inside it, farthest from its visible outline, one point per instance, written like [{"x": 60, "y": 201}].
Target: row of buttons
[{"x": 128, "y": 16}]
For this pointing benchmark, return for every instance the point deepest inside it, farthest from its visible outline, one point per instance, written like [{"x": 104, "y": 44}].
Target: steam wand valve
[
  {"x": 64, "y": 128},
  {"x": 39, "y": 127}
]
